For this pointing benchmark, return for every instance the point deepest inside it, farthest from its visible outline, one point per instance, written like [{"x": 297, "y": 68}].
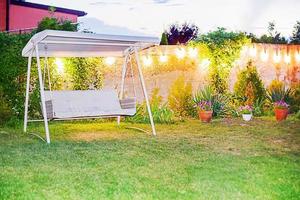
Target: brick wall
[{"x": 2, "y": 15}]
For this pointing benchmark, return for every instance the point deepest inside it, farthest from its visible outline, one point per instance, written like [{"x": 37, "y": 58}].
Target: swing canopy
[
  {"x": 53, "y": 43},
  {"x": 88, "y": 103}
]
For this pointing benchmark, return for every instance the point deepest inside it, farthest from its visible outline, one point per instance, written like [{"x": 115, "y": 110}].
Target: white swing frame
[{"x": 33, "y": 47}]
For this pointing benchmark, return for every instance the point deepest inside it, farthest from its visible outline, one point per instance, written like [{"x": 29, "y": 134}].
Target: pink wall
[{"x": 25, "y": 17}]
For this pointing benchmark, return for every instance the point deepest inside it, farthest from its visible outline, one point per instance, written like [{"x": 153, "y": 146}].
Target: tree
[
  {"x": 181, "y": 34},
  {"x": 273, "y": 36},
  {"x": 295, "y": 39},
  {"x": 164, "y": 39}
]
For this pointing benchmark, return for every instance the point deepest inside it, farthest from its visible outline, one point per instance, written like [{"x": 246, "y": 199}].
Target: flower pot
[
  {"x": 205, "y": 116},
  {"x": 281, "y": 113},
  {"x": 247, "y": 117}
]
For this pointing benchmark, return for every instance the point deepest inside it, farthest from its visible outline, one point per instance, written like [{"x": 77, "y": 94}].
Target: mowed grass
[{"x": 227, "y": 159}]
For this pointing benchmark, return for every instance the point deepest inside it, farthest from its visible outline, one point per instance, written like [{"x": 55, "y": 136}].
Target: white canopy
[{"x": 53, "y": 43}]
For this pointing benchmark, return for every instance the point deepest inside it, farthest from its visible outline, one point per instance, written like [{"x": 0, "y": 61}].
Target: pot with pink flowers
[
  {"x": 281, "y": 109},
  {"x": 246, "y": 112}
]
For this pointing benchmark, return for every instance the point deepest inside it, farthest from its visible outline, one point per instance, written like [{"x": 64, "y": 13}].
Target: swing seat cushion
[{"x": 87, "y": 103}]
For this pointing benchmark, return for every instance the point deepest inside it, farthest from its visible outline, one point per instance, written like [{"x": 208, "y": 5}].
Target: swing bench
[{"x": 80, "y": 104}]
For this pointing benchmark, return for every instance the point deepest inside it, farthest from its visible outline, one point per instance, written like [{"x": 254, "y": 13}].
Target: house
[{"x": 20, "y": 15}]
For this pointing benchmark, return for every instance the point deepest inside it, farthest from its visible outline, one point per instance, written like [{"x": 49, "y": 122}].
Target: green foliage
[
  {"x": 295, "y": 97},
  {"x": 249, "y": 87},
  {"x": 258, "y": 106},
  {"x": 5, "y": 111},
  {"x": 219, "y": 102},
  {"x": 224, "y": 49},
  {"x": 84, "y": 73},
  {"x": 295, "y": 39},
  {"x": 160, "y": 111},
  {"x": 180, "y": 98},
  {"x": 53, "y": 23},
  {"x": 164, "y": 39},
  {"x": 279, "y": 93}
]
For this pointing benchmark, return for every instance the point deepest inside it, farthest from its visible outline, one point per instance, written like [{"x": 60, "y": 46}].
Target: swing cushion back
[{"x": 87, "y": 103}]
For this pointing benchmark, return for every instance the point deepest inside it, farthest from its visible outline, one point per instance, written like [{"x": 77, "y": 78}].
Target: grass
[{"x": 227, "y": 159}]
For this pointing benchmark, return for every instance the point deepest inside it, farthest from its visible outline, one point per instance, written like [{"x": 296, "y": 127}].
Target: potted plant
[
  {"x": 281, "y": 109},
  {"x": 205, "y": 111},
  {"x": 246, "y": 112}
]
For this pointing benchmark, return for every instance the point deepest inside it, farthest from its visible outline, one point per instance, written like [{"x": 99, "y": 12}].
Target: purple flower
[
  {"x": 281, "y": 104},
  {"x": 205, "y": 105}
]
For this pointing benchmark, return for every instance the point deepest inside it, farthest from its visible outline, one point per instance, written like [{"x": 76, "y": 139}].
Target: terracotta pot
[
  {"x": 281, "y": 114},
  {"x": 205, "y": 116}
]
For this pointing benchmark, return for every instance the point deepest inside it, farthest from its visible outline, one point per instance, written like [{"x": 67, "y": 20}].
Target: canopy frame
[{"x": 32, "y": 49}]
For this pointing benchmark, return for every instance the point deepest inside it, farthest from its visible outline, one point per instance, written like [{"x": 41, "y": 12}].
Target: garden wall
[{"x": 278, "y": 66}]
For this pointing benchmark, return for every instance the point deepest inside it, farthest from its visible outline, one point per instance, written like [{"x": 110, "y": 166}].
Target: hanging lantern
[
  {"x": 277, "y": 56},
  {"x": 252, "y": 51},
  {"x": 110, "y": 60},
  {"x": 147, "y": 60},
  {"x": 180, "y": 53},
  {"x": 163, "y": 58},
  {"x": 264, "y": 56},
  {"x": 192, "y": 52}
]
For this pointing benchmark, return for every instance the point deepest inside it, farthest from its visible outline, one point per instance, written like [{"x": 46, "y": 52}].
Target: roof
[
  {"x": 52, "y": 43},
  {"x": 46, "y": 7}
]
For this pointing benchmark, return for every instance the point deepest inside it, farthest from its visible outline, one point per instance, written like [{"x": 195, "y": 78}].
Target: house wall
[
  {"x": 22, "y": 17},
  {"x": 3, "y": 15}
]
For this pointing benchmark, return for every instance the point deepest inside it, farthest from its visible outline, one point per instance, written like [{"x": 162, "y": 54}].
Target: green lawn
[{"x": 227, "y": 159}]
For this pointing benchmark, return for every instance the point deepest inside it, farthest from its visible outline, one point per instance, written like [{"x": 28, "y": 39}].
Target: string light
[
  {"x": 264, "y": 56},
  {"x": 60, "y": 65},
  {"x": 163, "y": 58},
  {"x": 277, "y": 57},
  {"x": 110, "y": 60},
  {"x": 252, "y": 51},
  {"x": 297, "y": 55},
  {"x": 287, "y": 59},
  {"x": 180, "y": 53},
  {"x": 147, "y": 60},
  {"x": 192, "y": 52}
]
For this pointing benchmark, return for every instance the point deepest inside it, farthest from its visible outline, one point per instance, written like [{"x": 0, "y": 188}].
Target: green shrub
[
  {"x": 279, "y": 93},
  {"x": 5, "y": 111},
  {"x": 160, "y": 111},
  {"x": 295, "y": 97},
  {"x": 180, "y": 98},
  {"x": 249, "y": 87}
]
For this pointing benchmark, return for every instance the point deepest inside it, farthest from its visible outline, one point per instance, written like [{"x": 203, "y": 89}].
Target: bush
[
  {"x": 249, "y": 87},
  {"x": 295, "y": 97},
  {"x": 180, "y": 98},
  {"x": 5, "y": 111},
  {"x": 160, "y": 111}
]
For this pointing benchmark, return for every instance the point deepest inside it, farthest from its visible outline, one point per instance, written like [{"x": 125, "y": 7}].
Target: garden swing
[{"x": 79, "y": 104}]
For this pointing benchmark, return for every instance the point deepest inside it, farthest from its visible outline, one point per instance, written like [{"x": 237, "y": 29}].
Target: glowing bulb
[
  {"x": 287, "y": 59},
  {"x": 276, "y": 57},
  {"x": 147, "y": 60},
  {"x": 264, "y": 56},
  {"x": 163, "y": 58},
  {"x": 252, "y": 51},
  {"x": 60, "y": 65},
  {"x": 110, "y": 60},
  {"x": 193, "y": 52},
  {"x": 204, "y": 64},
  {"x": 180, "y": 53},
  {"x": 297, "y": 55}
]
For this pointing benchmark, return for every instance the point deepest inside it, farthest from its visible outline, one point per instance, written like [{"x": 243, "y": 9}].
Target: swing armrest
[{"x": 128, "y": 103}]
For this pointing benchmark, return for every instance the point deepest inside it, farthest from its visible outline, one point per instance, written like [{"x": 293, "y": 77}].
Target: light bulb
[
  {"x": 163, "y": 58},
  {"x": 287, "y": 59},
  {"x": 180, "y": 53},
  {"x": 192, "y": 52},
  {"x": 110, "y": 60},
  {"x": 147, "y": 60},
  {"x": 60, "y": 65},
  {"x": 264, "y": 56},
  {"x": 276, "y": 57},
  {"x": 297, "y": 55}
]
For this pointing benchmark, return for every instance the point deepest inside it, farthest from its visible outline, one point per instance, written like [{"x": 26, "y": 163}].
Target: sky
[{"x": 152, "y": 17}]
